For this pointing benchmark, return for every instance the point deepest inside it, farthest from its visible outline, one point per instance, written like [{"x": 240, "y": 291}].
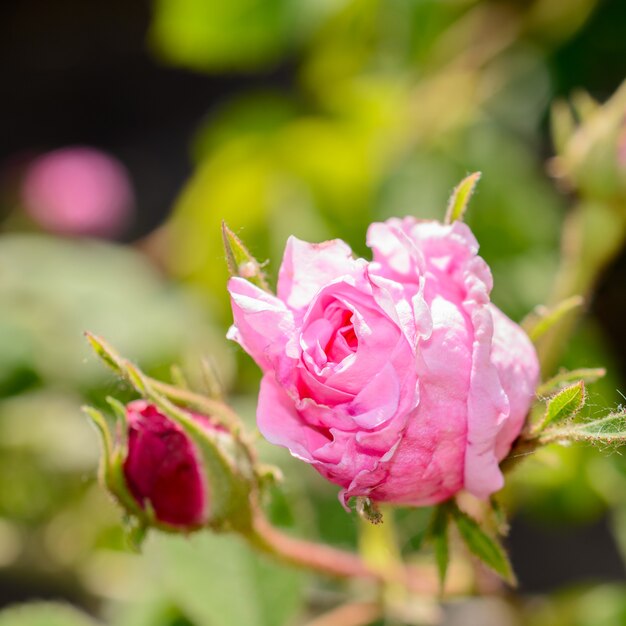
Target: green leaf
[
  {"x": 460, "y": 197},
  {"x": 543, "y": 319},
  {"x": 216, "y": 580},
  {"x": 44, "y": 614},
  {"x": 481, "y": 545},
  {"x": 438, "y": 532},
  {"x": 564, "y": 405},
  {"x": 608, "y": 430},
  {"x": 239, "y": 260},
  {"x": 238, "y": 35},
  {"x": 587, "y": 375}
]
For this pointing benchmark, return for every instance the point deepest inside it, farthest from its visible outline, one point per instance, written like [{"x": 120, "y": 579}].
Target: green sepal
[
  {"x": 460, "y": 197},
  {"x": 563, "y": 405},
  {"x": 240, "y": 261},
  {"x": 608, "y": 430},
  {"x": 543, "y": 319},
  {"x": 103, "y": 350},
  {"x": 102, "y": 428},
  {"x": 115, "y": 481},
  {"x": 485, "y": 547},
  {"x": 178, "y": 377},
  {"x": 128, "y": 371},
  {"x": 119, "y": 410},
  {"x": 111, "y": 463}
]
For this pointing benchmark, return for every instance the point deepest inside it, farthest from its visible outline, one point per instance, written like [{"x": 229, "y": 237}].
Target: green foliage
[
  {"x": 564, "y": 405},
  {"x": 45, "y": 313},
  {"x": 236, "y": 35},
  {"x": 606, "y": 430},
  {"x": 482, "y": 545},
  {"x": 44, "y": 614},
  {"x": 215, "y": 579}
]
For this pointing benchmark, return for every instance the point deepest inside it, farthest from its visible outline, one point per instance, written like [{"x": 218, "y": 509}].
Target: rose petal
[
  {"x": 280, "y": 424},
  {"x": 263, "y": 325},
  {"x": 307, "y": 267},
  {"x": 515, "y": 358}
]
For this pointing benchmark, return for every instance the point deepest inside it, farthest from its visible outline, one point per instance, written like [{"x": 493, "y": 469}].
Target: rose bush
[{"x": 396, "y": 378}]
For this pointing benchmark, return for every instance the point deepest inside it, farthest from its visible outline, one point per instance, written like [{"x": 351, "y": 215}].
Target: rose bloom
[
  {"x": 163, "y": 467},
  {"x": 397, "y": 379}
]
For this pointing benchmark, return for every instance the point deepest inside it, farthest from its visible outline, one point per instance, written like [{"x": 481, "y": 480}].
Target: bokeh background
[{"x": 129, "y": 130}]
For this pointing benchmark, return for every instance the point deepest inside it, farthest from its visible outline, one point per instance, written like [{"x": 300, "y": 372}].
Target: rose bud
[
  {"x": 163, "y": 468},
  {"x": 175, "y": 469},
  {"x": 397, "y": 379}
]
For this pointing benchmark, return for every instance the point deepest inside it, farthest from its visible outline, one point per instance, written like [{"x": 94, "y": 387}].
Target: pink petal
[
  {"x": 280, "y": 423},
  {"x": 518, "y": 368},
  {"x": 307, "y": 267},
  {"x": 487, "y": 409},
  {"x": 263, "y": 325}
]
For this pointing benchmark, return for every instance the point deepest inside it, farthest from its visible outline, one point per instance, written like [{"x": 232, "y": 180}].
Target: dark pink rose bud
[{"x": 163, "y": 467}]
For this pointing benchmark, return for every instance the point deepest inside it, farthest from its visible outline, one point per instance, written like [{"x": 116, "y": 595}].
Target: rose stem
[
  {"x": 307, "y": 554},
  {"x": 332, "y": 562}
]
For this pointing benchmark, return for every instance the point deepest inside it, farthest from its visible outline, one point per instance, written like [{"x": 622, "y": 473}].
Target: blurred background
[{"x": 129, "y": 130}]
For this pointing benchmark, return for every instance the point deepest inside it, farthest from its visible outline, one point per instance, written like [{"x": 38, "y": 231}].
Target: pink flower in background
[
  {"x": 78, "y": 191},
  {"x": 162, "y": 467},
  {"x": 397, "y": 379}
]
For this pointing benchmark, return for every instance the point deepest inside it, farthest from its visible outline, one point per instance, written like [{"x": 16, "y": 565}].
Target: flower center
[
  {"x": 343, "y": 341},
  {"x": 330, "y": 339}
]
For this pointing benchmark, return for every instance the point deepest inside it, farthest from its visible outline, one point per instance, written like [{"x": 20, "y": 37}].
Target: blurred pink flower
[
  {"x": 78, "y": 191},
  {"x": 397, "y": 378}
]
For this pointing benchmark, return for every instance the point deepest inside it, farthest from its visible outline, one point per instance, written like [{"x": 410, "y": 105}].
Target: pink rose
[
  {"x": 163, "y": 467},
  {"x": 396, "y": 378}
]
